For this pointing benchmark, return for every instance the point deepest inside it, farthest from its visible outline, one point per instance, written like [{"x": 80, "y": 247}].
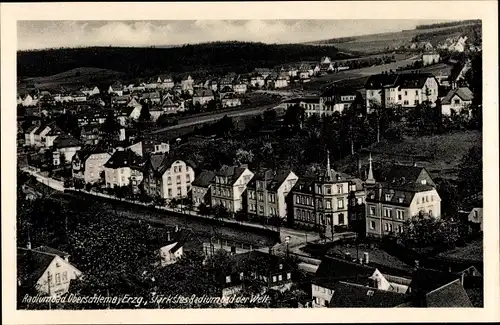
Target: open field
[
  {"x": 439, "y": 154},
  {"x": 74, "y": 78},
  {"x": 438, "y": 69},
  {"x": 377, "y": 43}
]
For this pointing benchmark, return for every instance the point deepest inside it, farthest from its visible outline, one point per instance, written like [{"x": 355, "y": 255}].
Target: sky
[{"x": 54, "y": 34}]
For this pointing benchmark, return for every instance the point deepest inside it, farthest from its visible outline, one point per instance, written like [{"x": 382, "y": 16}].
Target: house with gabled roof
[
  {"x": 90, "y": 91},
  {"x": 168, "y": 176},
  {"x": 118, "y": 168},
  {"x": 88, "y": 163},
  {"x": 229, "y": 185},
  {"x": 172, "y": 246},
  {"x": 267, "y": 192},
  {"x": 116, "y": 88},
  {"x": 65, "y": 146},
  {"x": 45, "y": 269},
  {"x": 390, "y": 204},
  {"x": 201, "y": 188},
  {"x": 409, "y": 173},
  {"x": 348, "y": 283},
  {"x": 203, "y": 96},
  {"x": 230, "y": 100},
  {"x": 456, "y": 100}
]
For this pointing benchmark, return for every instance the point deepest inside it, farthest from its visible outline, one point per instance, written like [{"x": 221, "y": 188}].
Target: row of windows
[
  {"x": 178, "y": 179},
  {"x": 58, "y": 277},
  {"x": 271, "y": 196},
  {"x": 306, "y": 200},
  {"x": 425, "y": 199},
  {"x": 305, "y": 215},
  {"x": 275, "y": 278}
]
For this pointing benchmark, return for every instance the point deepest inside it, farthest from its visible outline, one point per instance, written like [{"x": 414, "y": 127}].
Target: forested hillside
[{"x": 214, "y": 57}]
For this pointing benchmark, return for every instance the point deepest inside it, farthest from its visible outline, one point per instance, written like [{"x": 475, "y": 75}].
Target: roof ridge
[{"x": 441, "y": 287}]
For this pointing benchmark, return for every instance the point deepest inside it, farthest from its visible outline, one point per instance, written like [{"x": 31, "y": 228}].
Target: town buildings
[
  {"x": 321, "y": 201},
  {"x": 201, "y": 188},
  {"x": 119, "y": 168},
  {"x": 267, "y": 193},
  {"x": 167, "y": 176},
  {"x": 456, "y": 100},
  {"x": 407, "y": 192},
  {"x": 88, "y": 164},
  {"x": 430, "y": 58},
  {"x": 404, "y": 89},
  {"x": 45, "y": 269},
  {"x": 229, "y": 185},
  {"x": 203, "y": 96}
]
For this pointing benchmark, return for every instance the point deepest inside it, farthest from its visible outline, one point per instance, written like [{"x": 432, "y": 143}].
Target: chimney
[{"x": 366, "y": 257}]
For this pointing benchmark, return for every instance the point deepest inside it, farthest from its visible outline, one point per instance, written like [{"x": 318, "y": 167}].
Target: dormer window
[
  {"x": 423, "y": 182},
  {"x": 281, "y": 266},
  {"x": 228, "y": 279},
  {"x": 387, "y": 197},
  {"x": 400, "y": 199},
  {"x": 370, "y": 293}
]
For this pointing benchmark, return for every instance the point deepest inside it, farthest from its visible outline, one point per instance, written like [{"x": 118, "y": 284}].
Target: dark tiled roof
[
  {"x": 204, "y": 178},
  {"x": 464, "y": 93},
  {"x": 400, "y": 194},
  {"x": 333, "y": 268},
  {"x": 231, "y": 171},
  {"x": 66, "y": 142},
  {"x": 31, "y": 129},
  {"x": 379, "y": 81},
  {"x": 269, "y": 262},
  {"x": 159, "y": 163},
  {"x": 409, "y": 173},
  {"x": 413, "y": 80},
  {"x": 226, "y": 89},
  {"x": 450, "y": 295},
  {"x": 44, "y": 126},
  {"x": 347, "y": 295},
  {"x": 123, "y": 158},
  {"x": 427, "y": 280},
  {"x": 203, "y": 93},
  {"x": 86, "y": 152},
  {"x": 273, "y": 178}
]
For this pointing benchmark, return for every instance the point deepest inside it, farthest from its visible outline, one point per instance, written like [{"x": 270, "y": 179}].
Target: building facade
[{"x": 229, "y": 186}]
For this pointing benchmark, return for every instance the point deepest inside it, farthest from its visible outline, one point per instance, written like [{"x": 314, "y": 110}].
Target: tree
[
  {"x": 450, "y": 200},
  {"x": 294, "y": 117},
  {"x": 145, "y": 115},
  {"x": 159, "y": 201},
  {"x": 470, "y": 174},
  {"x": 225, "y": 127},
  {"x": 270, "y": 116},
  {"x": 110, "y": 127},
  {"x": 243, "y": 157},
  {"x": 423, "y": 232}
]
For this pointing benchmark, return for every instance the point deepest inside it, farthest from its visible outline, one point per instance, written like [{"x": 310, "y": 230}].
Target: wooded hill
[{"x": 217, "y": 57}]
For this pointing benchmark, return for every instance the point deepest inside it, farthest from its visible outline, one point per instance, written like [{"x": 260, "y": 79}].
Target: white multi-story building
[{"x": 228, "y": 186}]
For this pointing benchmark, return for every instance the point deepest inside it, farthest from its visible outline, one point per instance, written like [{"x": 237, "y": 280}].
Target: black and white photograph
[{"x": 249, "y": 163}]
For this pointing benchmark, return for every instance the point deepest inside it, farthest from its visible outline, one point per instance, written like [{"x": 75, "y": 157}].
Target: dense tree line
[
  {"x": 239, "y": 57},
  {"x": 427, "y": 36},
  {"x": 448, "y": 24}
]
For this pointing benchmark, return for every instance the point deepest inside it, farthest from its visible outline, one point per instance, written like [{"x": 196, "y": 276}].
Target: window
[
  {"x": 390, "y": 227},
  {"x": 340, "y": 203},
  {"x": 261, "y": 197},
  {"x": 169, "y": 180},
  {"x": 280, "y": 277},
  {"x": 58, "y": 278},
  {"x": 388, "y": 213},
  {"x": 400, "y": 214},
  {"x": 432, "y": 198},
  {"x": 241, "y": 276},
  {"x": 339, "y": 189},
  {"x": 274, "y": 278},
  {"x": 406, "y": 93},
  {"x": 372, "y": 210},
  {"x": 400, "y": 228},
  {"x": 179, "y": 191},
  {"x": 430, "y": 213},
  {"x": 178, "y": 179},
  {"x": 281, "y": 266},
  {"x": 416, "y": 92},
  {"x": 416, "y": 102},
  {"x": 288, "y": 276},
  {"x": 188, "y": 178},
  {"x": 328, "y": 190},
  {"x": 399, "y": 97},
  {"x": 406, "y": 102},
  {"x": 261, "y": 209},
  {"x": 328, "y": 204},
  {"x": 228, "y": 279},
  {"x": 387, "y": 197},
  {"x": 341, "y": 219},
  {"x": 123, "y": 179},
  {"x": 386, "y": 227},
  {"x": 372, "y": 225},
  {"x": 169, "y": 192},
  {"x": 65, "y": 276},
  {"x": 418, "y": 200},
  {"x": 423, "y": 182},
  {"x": 370, "y": 293},
  {"x": 456, "y": 101}
]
